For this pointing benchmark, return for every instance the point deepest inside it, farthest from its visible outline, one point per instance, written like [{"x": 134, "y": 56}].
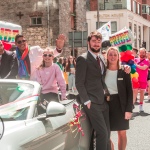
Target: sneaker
[
  {"x": 141, "y": 108},
  {"x": 148, "y": 97},
  {"x": 133, "y": 106}
]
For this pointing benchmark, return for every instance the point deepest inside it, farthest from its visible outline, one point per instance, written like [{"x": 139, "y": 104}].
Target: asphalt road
[{"x": 138, "y": 135}]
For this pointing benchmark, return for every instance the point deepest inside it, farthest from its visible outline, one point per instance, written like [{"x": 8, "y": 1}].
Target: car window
[
  {"x": 18, "y": 110},
  {"x": 20, "y": 114},
  {"x": 10, "y": 92}
]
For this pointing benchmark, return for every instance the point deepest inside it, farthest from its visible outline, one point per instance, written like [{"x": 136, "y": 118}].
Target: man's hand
[
  {"x": 127, "y": 69},
  {"x": 89, "y": 105},
  {"x": 60, "y": 41}
]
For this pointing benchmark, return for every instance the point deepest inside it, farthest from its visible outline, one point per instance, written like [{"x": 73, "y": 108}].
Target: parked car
[{"x": 27, "y": 127}]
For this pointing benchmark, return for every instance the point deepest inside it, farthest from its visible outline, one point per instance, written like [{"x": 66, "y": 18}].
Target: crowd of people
[{"x": 108, "y": 103}]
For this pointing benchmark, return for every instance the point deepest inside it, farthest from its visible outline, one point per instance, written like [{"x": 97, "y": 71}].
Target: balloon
[
  {"x": 124, "y": 63},
  {"x": 135, "y": 82},
  {"x": 135, "y": 85},
  {"x": 134, "y": 79},
  {"x": 136, "y": 75},
  {"x": 133, "y": 66},
  {"x": 124, "y": 48},
  {"x": 131, "y": 62},
  {"x": 126, "y": 56},
  {"x": 133, "y": 70}
]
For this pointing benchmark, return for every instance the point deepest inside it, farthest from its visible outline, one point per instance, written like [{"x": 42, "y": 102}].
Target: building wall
[
  {"x": 65, "y": 21},
  {"x": 34, "y": 35},
  {"x": 122, "y": 17},
  {"x": 60, "y": 19}
]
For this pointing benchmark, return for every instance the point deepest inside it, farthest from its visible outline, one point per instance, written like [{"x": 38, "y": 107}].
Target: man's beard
[{"x": 94, "y": 50}]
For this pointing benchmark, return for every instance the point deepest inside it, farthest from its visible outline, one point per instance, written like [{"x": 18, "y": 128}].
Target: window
[
  {"x": 113, "y": 27},
  {"x": 101, "y": 6},
  {"x": 145, "y": 9},
  {"x": 139, "y": 35},
  {"x": 118, "y": 0},
  {"x": 100, "y": 24},
  {"x": 130, "y": 26},
  {"x": 134, "y": 7},
  {"x": 139, "y": 9},
  {"x": 135, "y": 35},
  {"x": 36, "y": 20},
  {"x": 117, "y": 6},
  {"x": 129, "y": 5},
  {"x": 148, "y": 10}
]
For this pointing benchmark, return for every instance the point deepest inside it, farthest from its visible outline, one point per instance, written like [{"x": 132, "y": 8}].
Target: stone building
[{"x": 43, "y": 20}]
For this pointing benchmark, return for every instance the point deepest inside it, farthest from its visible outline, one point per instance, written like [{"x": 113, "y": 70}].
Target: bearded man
[
  {"x": 90, "y": 72},
  {"x": 142, "y": 65}
]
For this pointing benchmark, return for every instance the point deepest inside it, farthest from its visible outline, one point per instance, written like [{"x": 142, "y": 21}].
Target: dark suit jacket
[
  {"x": 9, "y": 65},
  {"x": 89, "y": 80},
  {"x": 125, "y": 90}
]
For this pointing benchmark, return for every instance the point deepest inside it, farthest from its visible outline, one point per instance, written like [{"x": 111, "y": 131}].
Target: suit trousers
[{"x": 98, "y": 115}]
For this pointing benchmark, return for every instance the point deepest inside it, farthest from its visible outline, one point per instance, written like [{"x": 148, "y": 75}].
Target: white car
[{"x": 28, "y": 126}]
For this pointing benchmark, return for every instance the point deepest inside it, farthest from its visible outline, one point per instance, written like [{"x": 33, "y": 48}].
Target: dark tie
[
  {"x": 98, "y": 61},
  {"x": 0, "y": 59},
  {"x": 100, "y": 64}
]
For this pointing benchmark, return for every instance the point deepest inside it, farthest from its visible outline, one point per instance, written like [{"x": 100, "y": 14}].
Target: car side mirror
[{"x": 55, "y": 109}]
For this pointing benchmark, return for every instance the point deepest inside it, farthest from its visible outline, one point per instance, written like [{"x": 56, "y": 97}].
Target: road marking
[{"x": 60, "y": 145}]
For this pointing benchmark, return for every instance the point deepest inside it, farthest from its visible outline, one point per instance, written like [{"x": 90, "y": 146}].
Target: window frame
[{"x": 35, "y": 17}]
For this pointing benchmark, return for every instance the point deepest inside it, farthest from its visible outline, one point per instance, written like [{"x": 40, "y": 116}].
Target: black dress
[{"x": 116, "y": 115}]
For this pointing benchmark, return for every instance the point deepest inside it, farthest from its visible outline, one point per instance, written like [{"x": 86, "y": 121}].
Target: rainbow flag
[{"x": 8, "y": 32}]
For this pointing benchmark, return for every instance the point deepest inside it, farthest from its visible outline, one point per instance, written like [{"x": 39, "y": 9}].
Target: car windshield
[
  {"x": 15, "y": 100},
  {"x": 10, "y": 92}
]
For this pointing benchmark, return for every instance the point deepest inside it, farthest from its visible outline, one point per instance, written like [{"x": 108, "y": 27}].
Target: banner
[
  {"x": 8, "y": 32},
  {"x": 105, "y": 30},
  {"x": 121, "y": 37}
]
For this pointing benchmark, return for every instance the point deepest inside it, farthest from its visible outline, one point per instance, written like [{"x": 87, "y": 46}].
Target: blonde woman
[
  {"x": 121, "y": 96},
  {"x": 49, "y": 75}
]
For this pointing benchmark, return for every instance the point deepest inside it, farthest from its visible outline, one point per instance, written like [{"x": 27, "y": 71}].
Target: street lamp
[
  {"x": 97, "y": 14},
  {"x": 48, "y": 25}
]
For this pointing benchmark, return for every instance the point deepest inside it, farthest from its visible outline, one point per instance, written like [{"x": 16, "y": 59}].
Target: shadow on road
[
  {"x": 148, "y": 101},
  {"x": 136, "y": 114}
]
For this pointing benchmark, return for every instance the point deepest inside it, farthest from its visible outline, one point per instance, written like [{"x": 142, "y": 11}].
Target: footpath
[{"x": 138, "y": 135}]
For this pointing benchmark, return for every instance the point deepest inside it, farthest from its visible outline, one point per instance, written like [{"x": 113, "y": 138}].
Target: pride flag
[
  {"x": 8, "y": 32},
  {"x": 105, "y": 30}
]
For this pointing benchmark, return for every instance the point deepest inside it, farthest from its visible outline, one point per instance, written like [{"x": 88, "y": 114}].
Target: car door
[{"x": 59, "y": 135}]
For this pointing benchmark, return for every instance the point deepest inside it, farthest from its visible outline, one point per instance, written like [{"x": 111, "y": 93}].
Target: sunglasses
[
  {"x": 20, "y": 42},
  {"x": 49, "y": 55}
]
